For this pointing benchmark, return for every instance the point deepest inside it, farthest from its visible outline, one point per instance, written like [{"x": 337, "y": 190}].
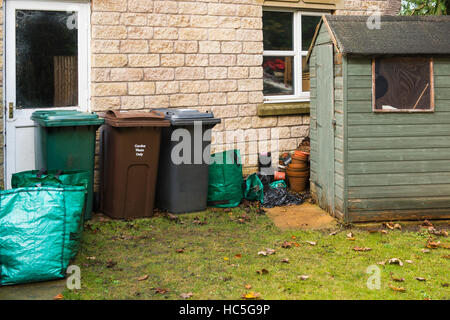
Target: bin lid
[
  {"x": 65, "y": 118},
  {"x": 188, "y": 116},
  {"x": 135, "y": 118}
]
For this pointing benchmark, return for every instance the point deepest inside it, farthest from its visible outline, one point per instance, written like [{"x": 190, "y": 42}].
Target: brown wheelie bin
[{"x": 129, "y": 153}]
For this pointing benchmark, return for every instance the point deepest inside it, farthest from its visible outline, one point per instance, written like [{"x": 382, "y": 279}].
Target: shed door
[{"x": 325, "y": 128}]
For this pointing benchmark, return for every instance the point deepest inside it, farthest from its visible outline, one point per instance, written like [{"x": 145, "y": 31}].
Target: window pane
[
  {"x": 46, "y": 59},
  {"x": 277, "y": 30},
  {"x": 278, "y": 76},
  {"x": 403, "y": 83},
  {"x": 309, "y": 24}
]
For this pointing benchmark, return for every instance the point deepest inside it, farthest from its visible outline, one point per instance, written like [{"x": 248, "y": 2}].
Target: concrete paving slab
[
  {"x": 33, "y": 291},
  {"x": 306, "y": 217}
]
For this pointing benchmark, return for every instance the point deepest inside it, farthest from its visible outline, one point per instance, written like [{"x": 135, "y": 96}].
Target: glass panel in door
[{"x": 46, "y": 59}]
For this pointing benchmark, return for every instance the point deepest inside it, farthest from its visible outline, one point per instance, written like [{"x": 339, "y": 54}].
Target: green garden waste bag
[
  {"x": 254, "y": 190},
  {"x": 50, "y": 178},
  {"x": 39, "y": 232},
  {"x": 225, "y": 189}
]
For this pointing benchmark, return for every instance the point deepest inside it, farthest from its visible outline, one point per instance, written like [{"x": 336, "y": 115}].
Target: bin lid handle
[{"x": 153, "y": 114}]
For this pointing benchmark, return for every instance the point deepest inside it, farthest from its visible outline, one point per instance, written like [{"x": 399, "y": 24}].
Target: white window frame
[{"x": 297, "y": 53}]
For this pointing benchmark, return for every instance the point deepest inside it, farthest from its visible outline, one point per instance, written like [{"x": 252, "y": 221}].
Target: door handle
[{"x": 11, "y": 110}]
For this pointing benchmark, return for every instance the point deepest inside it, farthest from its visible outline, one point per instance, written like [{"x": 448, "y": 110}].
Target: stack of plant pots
[{"x": 298, "y": 171}]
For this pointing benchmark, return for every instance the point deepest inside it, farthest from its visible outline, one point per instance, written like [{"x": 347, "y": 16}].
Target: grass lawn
[{"x": 162, "y": 258}]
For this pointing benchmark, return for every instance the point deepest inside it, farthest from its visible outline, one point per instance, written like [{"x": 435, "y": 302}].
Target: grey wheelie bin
[{"x": 184, "y": 160}]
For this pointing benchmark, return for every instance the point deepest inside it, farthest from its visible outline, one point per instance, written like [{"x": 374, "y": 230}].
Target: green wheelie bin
[{"x": 65, "y": 140}]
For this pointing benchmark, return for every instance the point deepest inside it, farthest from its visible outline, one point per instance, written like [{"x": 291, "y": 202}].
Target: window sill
[{"x": 282, "y": 109}]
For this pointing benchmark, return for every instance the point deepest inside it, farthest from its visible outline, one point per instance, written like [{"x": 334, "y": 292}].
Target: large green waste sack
[
  {"x": 36, "y": 238},
  {"x": 51, "y": 178},
  {"x": 225, "y": 189},
  {"x": 60, "y": 179},
  {"x": 254, "y": 189}
]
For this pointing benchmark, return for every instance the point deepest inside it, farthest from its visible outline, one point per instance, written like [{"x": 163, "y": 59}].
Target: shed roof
[{"x": 396, "y": 35}]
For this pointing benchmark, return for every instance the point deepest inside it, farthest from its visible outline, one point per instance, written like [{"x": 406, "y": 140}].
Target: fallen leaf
[
  {"x": 433, "y": 244},
  {"x": 179, "y": 250},
  {"x": 161, "y": 290},
  {"x": 285, "y": 260},
  {"x": 270, "y": 251},
  {"x": 359, "y": 249},
  {"x": 426, "y": 250},
  {"x": 397, "y": 279},
  {"x": 90, "y": 258},
  {"x": 143, "y": 278},
  {"x": 238, "y": 256},
  {"x": 409, "y": 261},
  {"x": 447, "y": 256},
  {"x": 350, "y": 235},
  {"x": 262, "y": 253},
  {"x": 293, "y": 237},
  {"x": 226, "y": 259},
  {"x": 286, "y": 245},
  {"x": 399, "y": 289},
  {"x": 303, "y": 277},
  {"x": 248, "y": 286},
  {"x": 334, "y": 233},
  {"x": 381, "y": 263},
  {"x": 396, "y": 261},
  {"x": 398, "y": 226},
  {"x": 420, "y": 279},
  {"x": 58, "y": 297},
  {"x": 313, "y": 243},
  {"x": 251, "y": 295},
  {"x": 388, "y": 225},
  {"x": 445, "y": 285},
  {"x": 296, "y": 244},
  {"x": 384, "y": 231},
  {"x": 186, "y": 295}
]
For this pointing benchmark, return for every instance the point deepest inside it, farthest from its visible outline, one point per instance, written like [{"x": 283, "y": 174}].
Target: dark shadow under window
[{"x": 403, "y": 84}]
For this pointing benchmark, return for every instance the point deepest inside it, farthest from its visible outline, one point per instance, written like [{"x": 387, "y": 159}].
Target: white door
[{"x": 46, "y": 67}]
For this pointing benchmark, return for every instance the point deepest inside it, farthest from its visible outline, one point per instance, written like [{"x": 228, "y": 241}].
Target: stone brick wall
[
  {"x": 364, "y": 7},
  {"x": 203, "y": 54}
]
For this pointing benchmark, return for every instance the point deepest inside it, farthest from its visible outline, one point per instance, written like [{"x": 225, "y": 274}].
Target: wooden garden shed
[{"x": 380, "y": 117}]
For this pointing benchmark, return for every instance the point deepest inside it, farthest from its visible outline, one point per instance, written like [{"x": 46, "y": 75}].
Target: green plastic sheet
[
  {"x": 226, "y": 182},
  {"x": 254, "y": 190},
  {"x": 39, "y": 232}
]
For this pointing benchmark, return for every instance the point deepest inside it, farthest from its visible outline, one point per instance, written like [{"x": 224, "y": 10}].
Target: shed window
[
  {"x": 403, "y": 84},
  {"x": 287, "y": 37}
]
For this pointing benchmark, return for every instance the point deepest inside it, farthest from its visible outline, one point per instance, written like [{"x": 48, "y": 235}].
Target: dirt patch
[{"x": 305, "y": 217}]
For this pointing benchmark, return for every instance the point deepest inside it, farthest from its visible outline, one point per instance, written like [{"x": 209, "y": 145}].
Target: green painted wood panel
[
  {"x": 385, "y": 192},
  {"x": 398, "y": 130},
  {"x": 410, "y": 203},
  {"x": 386, "y": 179},
  {"x": 399, "y": 154},
  {"x": 325, "y": 131},
  {"x": 398, "y": 143},
  {"x": 398, "y": 214},
  {"x": 399, "y": 166},
  {"x": 399, "y": 118}
]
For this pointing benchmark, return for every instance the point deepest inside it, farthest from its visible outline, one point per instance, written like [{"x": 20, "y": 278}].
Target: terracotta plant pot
[
  {"x": 303, "y": 166},
  {"x": 298, "y": 180},
  {"x": 299, "y": 159}
]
